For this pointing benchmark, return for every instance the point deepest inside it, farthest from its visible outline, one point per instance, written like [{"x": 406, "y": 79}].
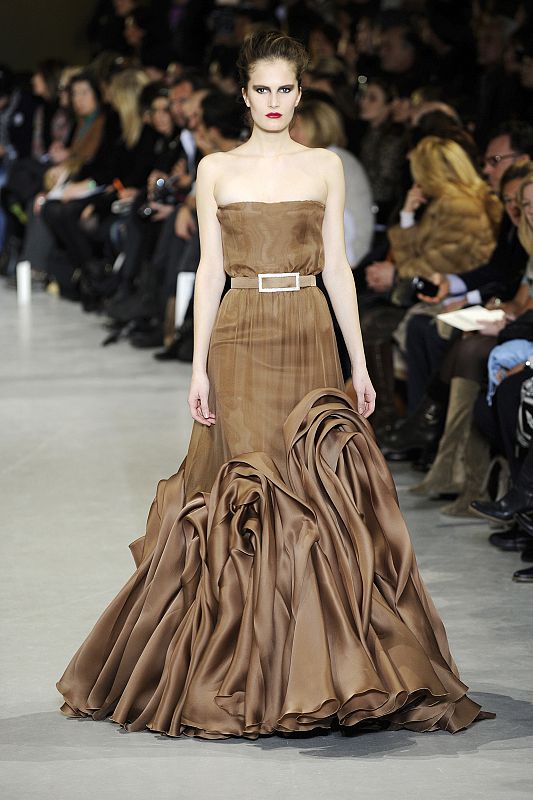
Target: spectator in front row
[{"x": 457, "y": 231}]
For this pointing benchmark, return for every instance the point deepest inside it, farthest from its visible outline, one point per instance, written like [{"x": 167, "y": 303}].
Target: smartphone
[{"x": 425, "y": 287}]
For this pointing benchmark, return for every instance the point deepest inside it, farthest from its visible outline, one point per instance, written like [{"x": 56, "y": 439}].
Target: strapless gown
[{"x": 276, "y": 589}]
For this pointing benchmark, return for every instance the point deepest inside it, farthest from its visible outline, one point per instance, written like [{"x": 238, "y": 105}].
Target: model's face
[
  {"x": 83, "y": 99},
  {"x": 272, "y": 94},
  {"x": 499, "y": 155},
  {"x": 510, "y": 200},
  {"x": 527, "y": 203}
]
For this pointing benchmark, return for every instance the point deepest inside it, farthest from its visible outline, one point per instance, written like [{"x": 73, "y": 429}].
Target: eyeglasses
[{"x": 493, "y": 161}]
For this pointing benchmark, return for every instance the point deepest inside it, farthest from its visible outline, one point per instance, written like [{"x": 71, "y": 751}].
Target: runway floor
[{"x": 86, "y": 433}]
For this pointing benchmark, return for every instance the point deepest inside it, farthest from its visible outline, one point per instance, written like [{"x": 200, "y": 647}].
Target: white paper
[{"x": 471, "y": 319}]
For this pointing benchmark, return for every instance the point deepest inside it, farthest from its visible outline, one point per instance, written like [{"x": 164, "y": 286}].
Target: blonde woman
[
  {"x": 459, "y": 226},
  {"x": 457, "y": 232},
  {"x": 123, "y": 94}
]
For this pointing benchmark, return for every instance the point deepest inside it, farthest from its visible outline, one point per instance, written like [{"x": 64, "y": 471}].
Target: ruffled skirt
[{"x": 270, "y": 605}]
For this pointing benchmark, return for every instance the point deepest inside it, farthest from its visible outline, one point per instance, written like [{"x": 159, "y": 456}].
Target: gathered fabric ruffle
[{"x": 265, "y": 606}]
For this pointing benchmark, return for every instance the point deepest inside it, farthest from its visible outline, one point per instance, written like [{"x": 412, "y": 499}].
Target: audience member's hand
[
  {"x": 38, "y": 202},
  {"x": 493, "y": 328},
  {"x": 72, "y": 191},
  {"x": 87, "y": 212},
  {"x": 179, "y": 171},
  {"x": 455, "y": 305},
  {"x": 444, "y": 287},
  {"x": 129, "y": 193},
  {"x": 152, "y": 178},
  {"x": 161, "y": 212},
  {"x": 185, "y": 224},
  {"x": 198, "y": 400},
  {"x": 414, "y": 199},
  {"x": 380, "y": 276}
]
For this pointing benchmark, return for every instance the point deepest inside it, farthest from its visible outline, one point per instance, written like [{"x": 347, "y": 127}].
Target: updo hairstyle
[{"x": 270, "y": 45}]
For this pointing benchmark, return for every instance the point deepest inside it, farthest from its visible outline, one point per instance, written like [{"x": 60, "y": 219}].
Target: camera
[
  {"x": 166, "y": 192},
  {"x": 425, "y": 287}
]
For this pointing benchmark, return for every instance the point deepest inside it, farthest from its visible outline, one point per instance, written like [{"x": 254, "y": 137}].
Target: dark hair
[
  {"x": 7, "y": 81},
  {"x": 438, "y": 123},
  {"x": 515, "y": 172},
  {"x": 86, "y": 77},
  {"x": 331, "y": 32},
  {"x": 50, "y": 70},
  {"x": 520, "y": 135},
  {"x": 385, "y": 84},
  {"x": 193, "y": 76},
  {"x": 151, "y": 92},
  {"x": 268, "y": 46},
  {"x": 222, "y": 111}
]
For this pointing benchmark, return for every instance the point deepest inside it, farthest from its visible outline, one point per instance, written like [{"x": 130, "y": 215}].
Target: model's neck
[{"x": 267, "y": 143}]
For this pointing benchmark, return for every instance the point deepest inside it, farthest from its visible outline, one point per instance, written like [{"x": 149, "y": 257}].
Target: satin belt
[{"x": 275, "y": 282}]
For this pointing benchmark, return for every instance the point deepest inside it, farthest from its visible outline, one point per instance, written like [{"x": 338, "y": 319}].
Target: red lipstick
[{"x": 274, "y": 115}]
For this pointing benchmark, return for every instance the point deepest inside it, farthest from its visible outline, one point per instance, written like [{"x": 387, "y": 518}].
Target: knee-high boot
[
  {"x": 447, "y": 475},
  {"x": 476, "y": 464}
]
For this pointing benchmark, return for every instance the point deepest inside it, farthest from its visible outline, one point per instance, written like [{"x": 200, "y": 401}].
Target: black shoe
[
  {"x": 419, "y": 433},
  {"x": 512, "y": 540},
  {"x": 523, "y": 575},
  {"x": 170, "y": 353},
  {"x": 146, "y": 340},
  {"x": 527, "y": 553},
  {"x": 503, "y": 510},
  {"x": 525, "y": 522}
]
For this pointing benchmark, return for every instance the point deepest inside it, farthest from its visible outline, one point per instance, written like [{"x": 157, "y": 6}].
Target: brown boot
[
  {"x": 476, "y": 462},
  {"x": 447, "y": 475}
]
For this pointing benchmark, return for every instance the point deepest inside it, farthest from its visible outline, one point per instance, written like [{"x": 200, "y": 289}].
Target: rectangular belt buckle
[{"x": 295, "y": 275}]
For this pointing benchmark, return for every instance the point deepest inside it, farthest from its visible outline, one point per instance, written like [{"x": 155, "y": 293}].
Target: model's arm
[
  {"x": 208, "y": 287},
  {"x": 339, "y": 282}
]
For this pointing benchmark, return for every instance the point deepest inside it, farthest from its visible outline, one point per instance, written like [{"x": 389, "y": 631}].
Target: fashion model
[{"x": 276, "y": 588}]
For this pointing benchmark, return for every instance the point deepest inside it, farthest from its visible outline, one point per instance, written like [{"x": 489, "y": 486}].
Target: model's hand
[
  {"x": 366, "y": 395},
  {"x": 198, "y": 400},
  {"x": 380, "y": 276}
]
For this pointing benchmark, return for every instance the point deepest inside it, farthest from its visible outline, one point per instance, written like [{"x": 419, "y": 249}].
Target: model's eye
[
  {"x": 286, "y": 89},
  {"x": 261, "y": 89}
]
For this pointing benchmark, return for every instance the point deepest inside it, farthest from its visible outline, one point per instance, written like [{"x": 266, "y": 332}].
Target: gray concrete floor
[{"x": 86, "y": 433}]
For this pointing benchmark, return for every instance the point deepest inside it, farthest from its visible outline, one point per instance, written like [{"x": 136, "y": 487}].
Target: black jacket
[{"x": 501, "y": 275}]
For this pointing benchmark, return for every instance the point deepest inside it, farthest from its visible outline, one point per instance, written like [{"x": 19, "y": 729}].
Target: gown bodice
[{"x": 285, "y": 236}]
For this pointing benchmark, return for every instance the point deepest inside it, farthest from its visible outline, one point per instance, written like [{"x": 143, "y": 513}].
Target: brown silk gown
[{"x": 276, "y": 587}]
